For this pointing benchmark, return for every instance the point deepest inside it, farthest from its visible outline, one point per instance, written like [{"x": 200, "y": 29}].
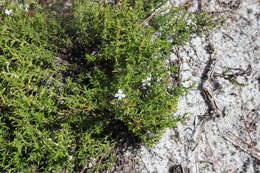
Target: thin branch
[
  {"x": 243, "y": 145},
  {"x": 185, "y": 5}
]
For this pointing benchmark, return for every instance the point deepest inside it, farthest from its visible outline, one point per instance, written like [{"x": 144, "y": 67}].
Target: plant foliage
[{"x": 72, "y": 85}]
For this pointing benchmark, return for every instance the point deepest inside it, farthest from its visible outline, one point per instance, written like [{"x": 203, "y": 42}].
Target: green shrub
[{"x": 109, "y": 81}]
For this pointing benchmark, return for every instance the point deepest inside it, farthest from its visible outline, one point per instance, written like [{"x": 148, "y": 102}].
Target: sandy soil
[{"x": 221, "y": 132}]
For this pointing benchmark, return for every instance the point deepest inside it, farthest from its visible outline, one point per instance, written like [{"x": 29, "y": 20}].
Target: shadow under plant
[{"x": 76, "y": 87}]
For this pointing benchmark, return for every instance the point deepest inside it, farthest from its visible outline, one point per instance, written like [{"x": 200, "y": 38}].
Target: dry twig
[
  {"x": 206, "y": 91},
  {"x": 248, "y": 129},
  {"x": 185, "y": 5},
  {"x": 242, "y": 144}
]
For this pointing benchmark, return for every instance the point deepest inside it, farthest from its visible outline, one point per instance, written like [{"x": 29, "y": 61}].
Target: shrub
[{"x": 72, "y": 87}]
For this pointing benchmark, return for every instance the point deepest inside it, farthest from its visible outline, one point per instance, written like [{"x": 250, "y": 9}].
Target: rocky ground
[{"x": 221, "y": 132}]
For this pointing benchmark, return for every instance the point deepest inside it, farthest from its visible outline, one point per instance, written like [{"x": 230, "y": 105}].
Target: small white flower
[
  {"x": 147, "y": 81},
  {"x": 70, "y": 157},
  {"x": 8, "y": 12},
  {"x": 26, "y": 7},
  {"x": 120, "y": 94}
]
